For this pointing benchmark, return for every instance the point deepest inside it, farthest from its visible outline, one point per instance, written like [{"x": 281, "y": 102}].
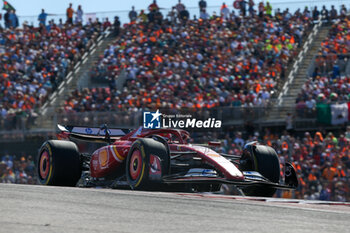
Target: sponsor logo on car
[
  {"x": 88, "y": 130},
  {"x": 103, "y": 158}
]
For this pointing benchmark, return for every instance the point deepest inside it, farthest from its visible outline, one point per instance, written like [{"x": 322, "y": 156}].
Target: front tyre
[
  {"x": 147, "y": 162},
  {"x": 264, "y": 160},
  {"x": 58, "y": 163}
]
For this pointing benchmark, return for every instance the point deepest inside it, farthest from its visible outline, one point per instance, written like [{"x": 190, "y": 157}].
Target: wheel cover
[
  {"x": 44, "y": 165},
  {"x": 135, "y": 164}
]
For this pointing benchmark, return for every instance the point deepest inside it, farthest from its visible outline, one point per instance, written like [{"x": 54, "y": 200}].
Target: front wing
[{"x": 251, "y": 178}]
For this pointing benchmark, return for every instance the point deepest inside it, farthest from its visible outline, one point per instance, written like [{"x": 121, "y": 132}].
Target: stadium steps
[
  {"x": 287, "y": 104},
  {"x": 81, "y": 78},
  {"x": 85, "y": 80},
  {"x": 78, "y": 78}
]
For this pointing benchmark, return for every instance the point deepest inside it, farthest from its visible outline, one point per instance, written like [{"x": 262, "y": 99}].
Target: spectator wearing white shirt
[
  {"x": 204, "y": 15},
  {"x": 79, "y": 15},
  {"x": 179, "y": 7},
  {"x": 239, "y": 140},
  {"x": 225, "y": 12}
]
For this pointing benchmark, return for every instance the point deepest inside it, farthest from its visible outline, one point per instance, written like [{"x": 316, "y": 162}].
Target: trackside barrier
[
  {"x": 132, "y": 119},
  {"x": 19, "y": 126},
  {"x": 229, "y": 116}
]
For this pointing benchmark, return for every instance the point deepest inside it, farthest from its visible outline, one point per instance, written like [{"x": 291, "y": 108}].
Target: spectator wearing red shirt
[{"x": 153, "y": 7}]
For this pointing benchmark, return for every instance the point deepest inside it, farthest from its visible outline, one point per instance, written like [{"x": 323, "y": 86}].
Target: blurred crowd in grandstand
[
  {"x": 19, "y": 170},
  {"x": 322, "y": 161},
  {"x": 33, "y": 61},
  {"x": 176, "y": 62},
  {"x": 224, "y": 59},
  {"x": 330, "y": 80}
]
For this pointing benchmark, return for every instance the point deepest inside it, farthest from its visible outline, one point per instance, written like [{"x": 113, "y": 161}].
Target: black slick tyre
[
  {"x": 58, "y": 163},
  {"x": 147, "y": 162},
  {"x": 265, "y": 161}
]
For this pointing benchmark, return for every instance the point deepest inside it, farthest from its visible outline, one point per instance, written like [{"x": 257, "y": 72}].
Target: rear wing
[{"x": 90, "y": 134}]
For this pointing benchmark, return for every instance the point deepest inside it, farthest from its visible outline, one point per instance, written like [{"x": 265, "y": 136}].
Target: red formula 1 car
[{"x": 159, "y": 159}]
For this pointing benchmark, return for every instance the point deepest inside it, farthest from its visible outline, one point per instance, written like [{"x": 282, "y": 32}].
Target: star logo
[
  {"x": 155, "y": 115},
  {"x": 151, "y": 120}
]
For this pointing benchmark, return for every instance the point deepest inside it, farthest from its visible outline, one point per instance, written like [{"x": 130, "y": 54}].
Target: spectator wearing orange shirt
[
  {"x": 318, "y": 138},
  {"x": 70, "y": 13},
  {"x": 329, "y": 172}
]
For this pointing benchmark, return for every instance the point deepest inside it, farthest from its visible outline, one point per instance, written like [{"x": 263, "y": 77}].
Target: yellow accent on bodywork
[
  {"x": 117, "y": 154},
  {"x": 50, "y": 171},
  {"x": 143, "y": 167}
]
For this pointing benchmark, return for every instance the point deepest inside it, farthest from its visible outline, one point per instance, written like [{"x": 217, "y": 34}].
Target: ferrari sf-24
[{"x": 158, "y": 159}]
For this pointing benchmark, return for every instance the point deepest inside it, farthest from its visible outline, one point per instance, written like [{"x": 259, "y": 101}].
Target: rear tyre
[
  {"x": 147, "y": 162},
  {"x": 58, "y": 163},
  {"x": 264, "y": 160}
]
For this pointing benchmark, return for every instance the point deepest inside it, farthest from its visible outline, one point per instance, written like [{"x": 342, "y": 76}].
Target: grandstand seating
[
  {"x": 197, "y": 64},
  {"x": 330, "y": 81},
  {"x": 33, "y": 61}
]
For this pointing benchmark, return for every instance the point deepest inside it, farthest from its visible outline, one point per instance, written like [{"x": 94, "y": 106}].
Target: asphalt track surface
[{"x": 26, "y": 208}]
